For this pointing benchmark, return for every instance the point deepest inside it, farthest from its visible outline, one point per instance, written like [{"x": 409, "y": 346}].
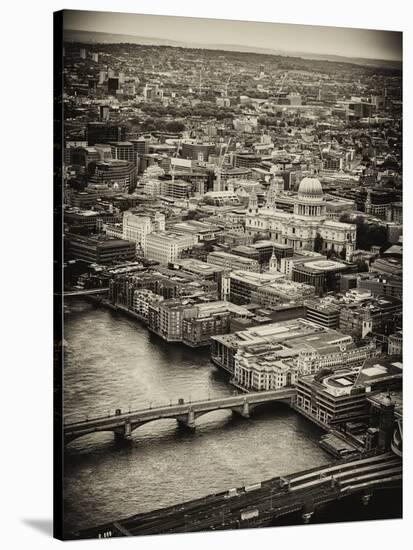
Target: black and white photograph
[
  {"x": 205, "y": 270},
  {"x": 231, "y": 205}
]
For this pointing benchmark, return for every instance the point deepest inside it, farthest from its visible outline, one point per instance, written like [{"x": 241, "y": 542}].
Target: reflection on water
[{"x": 112, "y": 362}]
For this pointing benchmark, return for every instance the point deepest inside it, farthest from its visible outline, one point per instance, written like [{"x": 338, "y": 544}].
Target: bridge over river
[
  {"x": 259, "y": 505},
  {"x": 186, "y": 413},
  {"x": 78, "y": 293}
]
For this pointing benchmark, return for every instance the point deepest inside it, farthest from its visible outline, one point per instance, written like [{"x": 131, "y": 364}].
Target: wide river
[{"x": 112, "y": 361}]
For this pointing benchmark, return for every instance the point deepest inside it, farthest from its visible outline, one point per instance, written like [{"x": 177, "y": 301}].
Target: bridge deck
[
  {"x": 273, "y": 498},
  {"x": 85, "y": 292},
  {"x": 177, "y": 410}
]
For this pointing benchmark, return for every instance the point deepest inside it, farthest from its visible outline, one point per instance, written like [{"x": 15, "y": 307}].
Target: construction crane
[
  {"x": 221, "y": 160},
  {"x": 281, "y": 86},
  {"x": 200, "y": 81},
  {"x": 174, "y": 156},
  {"x": 226, "y": 86}
]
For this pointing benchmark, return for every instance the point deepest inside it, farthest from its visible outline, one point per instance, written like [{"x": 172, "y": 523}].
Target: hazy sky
[{"x": 291, "y": 38}]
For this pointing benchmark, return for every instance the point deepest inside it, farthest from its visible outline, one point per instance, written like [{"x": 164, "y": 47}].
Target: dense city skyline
[{"x": 232, "y": 230}]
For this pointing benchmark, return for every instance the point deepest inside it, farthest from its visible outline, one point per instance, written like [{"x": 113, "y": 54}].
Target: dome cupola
[
  {"x": 310, "y": 201},
  {"x": 310, "y": 189}
]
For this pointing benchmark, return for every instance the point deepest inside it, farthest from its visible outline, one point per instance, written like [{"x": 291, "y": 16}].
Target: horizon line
[{"x": 208, "y": 46}]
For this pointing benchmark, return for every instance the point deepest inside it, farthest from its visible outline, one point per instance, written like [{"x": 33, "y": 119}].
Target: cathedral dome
[{"x": 310, "y": 188}]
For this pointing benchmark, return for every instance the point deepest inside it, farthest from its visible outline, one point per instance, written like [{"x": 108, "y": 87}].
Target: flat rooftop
[
  {"x": 380, "y": 368},
  {"x": 198, "y": 266},
  {"x": 306, "y": 333},
  {"x": 324, "y": 265}
]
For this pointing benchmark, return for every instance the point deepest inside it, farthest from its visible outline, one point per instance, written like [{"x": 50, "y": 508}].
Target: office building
[
  {"x": 123, "y": 150},
  {"x": 272, "y": 363},
  {"x": 197, "y": 151},
  {"x": 395, "y": 343},
  {"x": 135, "y": 228},
  {"x": 312, "y": 346},
  {"x": 341, "y": 396},
  {"x": 104, "y": 132},
  {"x": 118, "y": 175},
  {"x": 99, "y": 249},
  {"x": 323, "y": 275},
  {"x": 232, "y": 261},
  {"x": 113, "y": 85},
  {"x": 167, "y": 246},
  {"x": 381, "y": 285},
  {"x": 266, "y": 289},
  {"x": 324, "y": 313},
  {"x": 104, "y": 113},
  {"x": 202, "y": 321}
]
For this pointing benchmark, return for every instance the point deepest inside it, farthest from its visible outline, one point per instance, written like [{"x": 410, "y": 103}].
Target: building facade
[{"x": 307, "y": 228}]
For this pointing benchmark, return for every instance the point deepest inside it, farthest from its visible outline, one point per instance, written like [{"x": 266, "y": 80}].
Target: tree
[
  {"x": 194, "y": 215},
  {"x": 368, "y": 234},
  {"x": 362, "y": 266},
  {"x": 258, "y": 237},
  {"x": 175, "y": 126},
  {"x": 318, "y": 243}
]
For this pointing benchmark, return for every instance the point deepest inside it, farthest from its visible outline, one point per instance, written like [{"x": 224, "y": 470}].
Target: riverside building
[
  {"x": 338, "y": 397},
  {"x": 305, "y": 346}
]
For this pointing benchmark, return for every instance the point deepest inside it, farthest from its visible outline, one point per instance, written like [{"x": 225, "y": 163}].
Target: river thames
[{"x": 112, "y": 362}]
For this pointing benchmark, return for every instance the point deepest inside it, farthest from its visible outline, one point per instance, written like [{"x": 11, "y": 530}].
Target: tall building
[
  {"x": 104, "y": 132},
  {"x": 197, "y": 151},
  {"x": 123, "y": 150},
  {"x": 115, "y": 174},
  {"x": 141, "y": 148},
  {"x": 113, "y": 85},
  {"x": 104, "y": 113}
]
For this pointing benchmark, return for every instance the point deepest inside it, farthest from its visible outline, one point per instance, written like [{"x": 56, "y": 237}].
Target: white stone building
[
  {"x": 305, "y": 225},
  {"x": 166, "y": 246},
  {"x": 136, "y": 227}
]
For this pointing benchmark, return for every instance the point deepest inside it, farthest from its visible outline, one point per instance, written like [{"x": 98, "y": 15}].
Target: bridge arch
[
  {"x": 70, "y": 438},
  {"x": 135, "y": 425},
  {"x": 201, "y": 414}
]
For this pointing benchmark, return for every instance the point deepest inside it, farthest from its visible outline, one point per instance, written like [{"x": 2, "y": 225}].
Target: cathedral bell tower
[
  {"x": 368, "y": 204},
  {"x": 276, "y": 187},
  {"x": 253, "y": 204},
  {"x": 273, "y": 265}
]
